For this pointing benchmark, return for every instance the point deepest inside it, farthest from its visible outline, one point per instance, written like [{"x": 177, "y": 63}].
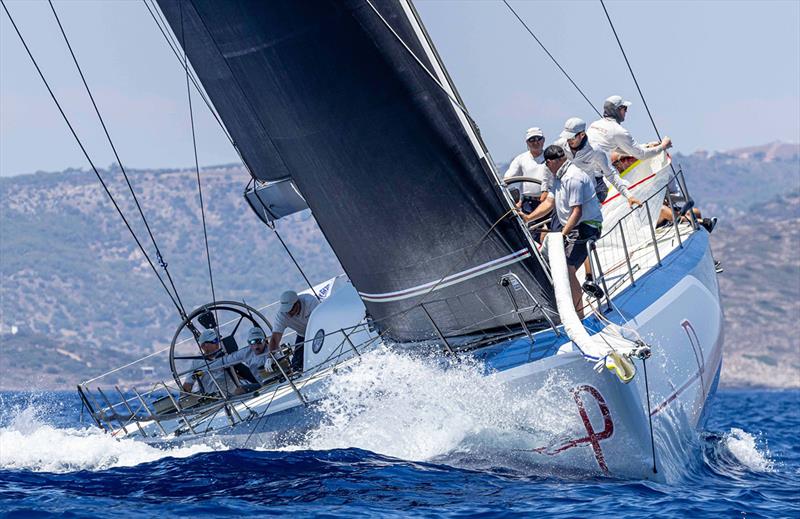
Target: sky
[{"x": 716, "y": 75}]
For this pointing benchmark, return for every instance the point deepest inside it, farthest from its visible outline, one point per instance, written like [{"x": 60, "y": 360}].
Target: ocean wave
[
  {"x": 29, "y": 442},
  {"x": 743, "y": 446},
  {"x": 51, "y": 464}
]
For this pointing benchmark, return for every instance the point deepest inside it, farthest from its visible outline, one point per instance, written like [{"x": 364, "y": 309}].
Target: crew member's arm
[
  {"x": 547, "y": 183},
  {"x": 231, "y": 359},
  {"x": 514, "y": 169},
  {"x": 275, "y": 340},
  {"x": 625, "y": 141},
  {"x": 542, "y": 210},
  {"x": 572, "y": 221}
]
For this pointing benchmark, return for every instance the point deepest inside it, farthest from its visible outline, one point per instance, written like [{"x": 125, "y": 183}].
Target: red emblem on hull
[{"x": 592, "y": 437}]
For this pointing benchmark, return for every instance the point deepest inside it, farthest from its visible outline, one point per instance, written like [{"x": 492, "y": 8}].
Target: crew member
[
  {"x": 255, "y": 357},
  {"x": 207, "y": 371},
  {"x": 592, "y": 161},
  {"x": 293, "y": 313},
  {"x": 608, "y": 135},
  {"x": 577, "y": 211},
  {"x": 529, "y": 164}
]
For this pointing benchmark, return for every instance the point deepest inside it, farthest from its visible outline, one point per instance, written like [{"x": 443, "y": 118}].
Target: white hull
[{"x": 605, "y": 429}]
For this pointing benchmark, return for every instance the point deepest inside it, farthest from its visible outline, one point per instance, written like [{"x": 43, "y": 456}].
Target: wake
[{"x": 29, "y": 443}]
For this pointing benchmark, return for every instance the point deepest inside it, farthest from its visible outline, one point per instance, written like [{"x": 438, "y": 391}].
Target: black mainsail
[{"x": 349, "y": 100}]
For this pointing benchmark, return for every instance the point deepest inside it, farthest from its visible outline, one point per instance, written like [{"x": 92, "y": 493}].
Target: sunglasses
[
  {"x": 536, "y": 139},
  {"x": 255, "y": 341},
  {"x": 212, "y": 341}
]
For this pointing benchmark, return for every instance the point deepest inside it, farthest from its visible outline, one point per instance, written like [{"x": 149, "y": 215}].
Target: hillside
[
  {"x": 78, "y": 298},
  {"x": 73, "y": 279}
]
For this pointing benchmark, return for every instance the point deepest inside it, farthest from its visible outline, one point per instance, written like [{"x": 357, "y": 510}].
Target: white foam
[
  {"x": 416, "y": 409},
  {"x": 29, "y": 443},
  {"x": 743, "y": 446}
]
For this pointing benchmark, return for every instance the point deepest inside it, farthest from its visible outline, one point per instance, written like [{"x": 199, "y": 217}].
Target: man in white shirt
[
  {"x": 293, "y": 313},
  {"x": 529, "y": 164},
  {"x": 593, "y": 162},
  {"x": 255, "y": 357},
  {"x": 607, "y": 134},
  {"x": 208, "y": 371},
  {"x": 577, "y": 210}
]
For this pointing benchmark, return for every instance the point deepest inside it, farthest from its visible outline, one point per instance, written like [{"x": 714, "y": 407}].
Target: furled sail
[{"x": 349, "y": 99}]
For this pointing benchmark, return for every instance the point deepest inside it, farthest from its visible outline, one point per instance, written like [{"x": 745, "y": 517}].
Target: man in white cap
[
  {"x": 607, "y": 134},
  {"x": 207, "y": 371},
  {"x": 529, "y": 164},
  {"x": 593, "y": 162},
  {"x": 293, "y": 313}
]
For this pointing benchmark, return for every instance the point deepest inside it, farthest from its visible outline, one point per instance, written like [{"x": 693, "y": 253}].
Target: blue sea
[{"x": 745, "y": 464}]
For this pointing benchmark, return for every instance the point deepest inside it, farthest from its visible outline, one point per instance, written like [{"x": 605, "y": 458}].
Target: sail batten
[{"x": 322, "y": 91}]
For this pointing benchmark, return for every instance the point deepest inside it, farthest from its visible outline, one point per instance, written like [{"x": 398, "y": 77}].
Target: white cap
[
  {"x": 614, "y": 102},
  {"x": 573, "y": 127},
  {"x": 208, "y": 336},
  {"x": 288, "y": 299},
  {"x": 534, "y": 132}
]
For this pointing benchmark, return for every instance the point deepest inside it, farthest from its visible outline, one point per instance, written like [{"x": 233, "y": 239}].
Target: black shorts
[
  {"x": 297, "y": 356},
  {"x": 575, "y": 244}
]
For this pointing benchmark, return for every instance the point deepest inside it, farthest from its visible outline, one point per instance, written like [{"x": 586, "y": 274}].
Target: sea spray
[
  {"x": 425, "y": 408},
  {"x": 743, "y": 446},
  {"x": 29, "y": 442}
]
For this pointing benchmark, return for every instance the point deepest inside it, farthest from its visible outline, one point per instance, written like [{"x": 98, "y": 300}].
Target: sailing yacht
[{"x": 345, "y": 108}]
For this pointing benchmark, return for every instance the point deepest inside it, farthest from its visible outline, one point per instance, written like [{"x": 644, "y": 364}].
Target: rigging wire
[
  {"x": 551, "y": 56},
  {"x": 159, "y": 256},
  {"x": 274, "y": 227},
  {"x": 627, "y": 62},
  {"x": 174, "y": 46},
  {"x": 649, "y": 416},
  {"x": 197, "y": 164},
  {"x": 86, "y": 155},
  {"x": 453, "y": 99},
  {"x": 203, "y": 217},
  {"x": 296, "y": 264}
]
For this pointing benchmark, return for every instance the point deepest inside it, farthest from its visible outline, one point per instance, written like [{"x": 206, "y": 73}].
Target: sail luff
[{"x": 470, "y": 126}]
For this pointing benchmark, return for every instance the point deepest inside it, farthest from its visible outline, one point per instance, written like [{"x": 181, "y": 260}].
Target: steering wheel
[
  {"x": 517, "y": 180},
  {"x": 226, "y": 317},
  {"x": 515, "y": 193}
]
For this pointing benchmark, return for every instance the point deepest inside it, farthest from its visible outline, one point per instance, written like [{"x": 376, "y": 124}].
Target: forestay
[{"x": 339, "y": 95}]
